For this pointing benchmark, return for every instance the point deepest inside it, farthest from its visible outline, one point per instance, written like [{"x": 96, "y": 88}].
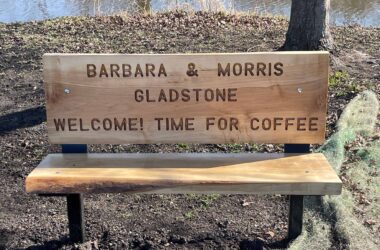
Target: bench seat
[{"x": 243, "y": 173}]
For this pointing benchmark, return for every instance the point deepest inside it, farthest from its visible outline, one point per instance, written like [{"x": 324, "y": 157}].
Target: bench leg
[
  {"x": 75, "y": 201},
  {"x": 296, "y": 201},
  {"x": 295, "y": 216},
  {"x": 76, "y": 217}
]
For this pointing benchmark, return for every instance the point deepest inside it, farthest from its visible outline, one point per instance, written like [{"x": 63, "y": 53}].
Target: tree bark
[
  {"x": 309, "y": 26},
  {"x": 144, "y": 6}
]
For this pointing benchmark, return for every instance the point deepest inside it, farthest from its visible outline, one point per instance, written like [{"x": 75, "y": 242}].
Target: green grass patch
[
  {"x": 183, "y": 146},
  {"x": 235, "y": 147},
  {"x": 204, "y": 201},
  {"x": 341, "y": 84},
  {"x": 189, "y": 215},
  {"x": 338, "y": 78}
]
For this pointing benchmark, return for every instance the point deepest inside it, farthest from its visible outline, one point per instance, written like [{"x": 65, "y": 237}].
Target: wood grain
[
  {"x": 296, "y": 95},
  {"x": 308, "y": 174}
]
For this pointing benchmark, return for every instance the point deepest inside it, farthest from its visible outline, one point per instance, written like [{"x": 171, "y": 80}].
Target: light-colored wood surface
[
  {"x": 308, "y": 174},
  {"x": 294, "y": 93}
]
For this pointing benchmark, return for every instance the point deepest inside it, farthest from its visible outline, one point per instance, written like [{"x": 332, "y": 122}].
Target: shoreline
[{"x": 124, "y": 14}]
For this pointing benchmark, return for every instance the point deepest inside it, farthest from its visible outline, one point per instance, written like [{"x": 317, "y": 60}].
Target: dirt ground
[{"x": 148, "y": 221}]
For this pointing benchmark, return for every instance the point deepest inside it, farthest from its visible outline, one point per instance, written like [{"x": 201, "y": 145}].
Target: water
[{"x": 364, "y": 12}]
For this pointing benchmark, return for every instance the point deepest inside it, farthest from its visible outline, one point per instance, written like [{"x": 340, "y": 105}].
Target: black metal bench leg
[
  {"x": 75, "y": 201},
  {"x": 76, "y": 217},
  {"x": 296, "y": 201},
  {"x": 295, "y": 217}
]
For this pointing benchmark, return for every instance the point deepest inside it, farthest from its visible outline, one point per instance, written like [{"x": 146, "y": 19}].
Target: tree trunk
[
  {"x": 144, "y": 6},
  {"x": 309, "y": 26}
]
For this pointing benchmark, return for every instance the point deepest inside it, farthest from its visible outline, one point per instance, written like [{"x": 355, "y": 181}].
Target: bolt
[
  {"x": 67, "y": 91},
  {"x": 299, "y": 90}
]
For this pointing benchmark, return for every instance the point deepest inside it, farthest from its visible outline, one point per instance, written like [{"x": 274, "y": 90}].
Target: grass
[
  {"x": 189, "y": 215},
  {"x": 365, "y": 175},
  {"x": 209, "y": 199},
  {"x": 337, "y": 78},
  {"x": 352, "y": 234},
  {"x": 235, "y": 147},
  {"x": 315, "y": 233},
  {"x": 204, "y": 201},
  {"x": 342, "y": 84},
  {"x": 337, "y": 212},
  {"x": 183, "y": 146}
]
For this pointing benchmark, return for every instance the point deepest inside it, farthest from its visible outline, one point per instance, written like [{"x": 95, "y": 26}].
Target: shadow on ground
[
  {"x": 26, "y": 118},
  {"x": 51, "y": 244}
]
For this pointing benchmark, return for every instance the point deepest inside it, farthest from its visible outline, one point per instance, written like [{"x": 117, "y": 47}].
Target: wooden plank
[
  {"x": 308, "y": 174},
  {"x": 273, "y": 97}
]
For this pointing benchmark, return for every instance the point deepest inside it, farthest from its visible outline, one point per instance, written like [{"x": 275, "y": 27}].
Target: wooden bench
[{"x": 274, "y": 97}]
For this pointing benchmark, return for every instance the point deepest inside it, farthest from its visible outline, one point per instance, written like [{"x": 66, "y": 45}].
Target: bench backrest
[{"x": 273, "y": 97}]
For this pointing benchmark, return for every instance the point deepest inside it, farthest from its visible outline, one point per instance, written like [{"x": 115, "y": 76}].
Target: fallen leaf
[
  {"x": 270, "y": 234},
  {"x": 246, "y": 203},
  {"x": 370, "y": 222}
]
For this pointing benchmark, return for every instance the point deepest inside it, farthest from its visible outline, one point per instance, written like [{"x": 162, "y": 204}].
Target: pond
[{"x": 364, "y": 12}]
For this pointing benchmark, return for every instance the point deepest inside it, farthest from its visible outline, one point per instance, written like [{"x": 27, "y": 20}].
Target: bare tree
[{"x": 309, "y": 26}]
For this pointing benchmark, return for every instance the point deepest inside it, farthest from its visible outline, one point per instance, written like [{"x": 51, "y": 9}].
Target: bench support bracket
[
  {"x": 75, "y": 210},
  {"x": 296, "y": 201}
]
